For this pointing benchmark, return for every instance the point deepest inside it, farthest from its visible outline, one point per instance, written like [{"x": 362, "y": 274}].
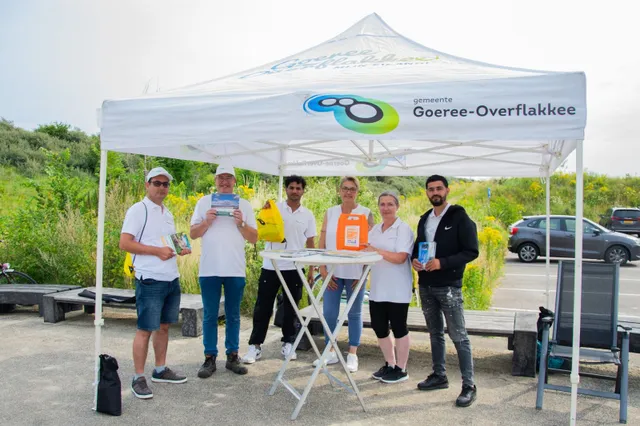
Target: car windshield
[
  {"x": 627, "y": 213},
  {"x": 598, "y": 227}
]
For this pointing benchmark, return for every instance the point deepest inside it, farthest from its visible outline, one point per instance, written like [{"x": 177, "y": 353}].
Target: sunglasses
[{"x": 158, "y": 184}]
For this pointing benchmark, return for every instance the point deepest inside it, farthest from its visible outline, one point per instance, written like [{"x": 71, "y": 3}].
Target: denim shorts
[{"x": 157, "y": 302}]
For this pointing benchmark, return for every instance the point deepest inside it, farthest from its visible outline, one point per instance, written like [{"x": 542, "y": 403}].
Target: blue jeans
[
  {"x": 331, "y": 310},
  {"x": 157, "y": 302},
  {"x": 211, "y": 290},
  {"x": 448, "y": 301}
]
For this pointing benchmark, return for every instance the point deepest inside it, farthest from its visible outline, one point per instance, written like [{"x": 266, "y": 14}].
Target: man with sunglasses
[
  {"x": 222, "y": 263},
  {"x": 157, "y": 280}
]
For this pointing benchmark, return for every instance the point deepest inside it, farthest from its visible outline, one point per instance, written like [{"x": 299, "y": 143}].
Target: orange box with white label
[{"x": 353, "y": 232}]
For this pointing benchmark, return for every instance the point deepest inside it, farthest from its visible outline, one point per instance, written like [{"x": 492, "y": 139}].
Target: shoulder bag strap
[{"x": 146, "y": 214}]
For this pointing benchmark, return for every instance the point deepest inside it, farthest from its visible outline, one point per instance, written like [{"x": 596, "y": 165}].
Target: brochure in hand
[
  {"x": 426, "y": 252},
  {"x": 177, "y": 242},
  {"x": 225, "y": 204}
]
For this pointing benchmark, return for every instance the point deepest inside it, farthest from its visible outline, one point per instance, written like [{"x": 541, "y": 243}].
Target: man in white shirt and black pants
[
  {"x": 299, "y": 232},
  {"x": 440, "y": 281},
  {"x": 157, "y": 280}
]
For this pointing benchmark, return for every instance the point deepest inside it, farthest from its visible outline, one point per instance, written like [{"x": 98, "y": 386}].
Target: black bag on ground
[
  {"x": 552, "y": 361},
  {"x": 109, "y": 387},
  {"x": 108, "y": 298},
  {"x": 304, "y": 344},
  {"x": 544, "y": 314}
]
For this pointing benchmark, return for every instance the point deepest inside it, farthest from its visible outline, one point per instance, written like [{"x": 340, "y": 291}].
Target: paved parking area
[
  {"x": 47, "y": 370},
  {"x": 523, "y": 287}
]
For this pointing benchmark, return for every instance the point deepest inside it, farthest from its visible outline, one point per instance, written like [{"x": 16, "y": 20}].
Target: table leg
[{"x": 331, "y": 333}]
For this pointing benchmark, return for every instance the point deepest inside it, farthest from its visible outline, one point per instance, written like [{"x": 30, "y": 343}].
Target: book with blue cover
[
  {"x": 225, "y": 204},
  {"x": 426, "y": 252}
]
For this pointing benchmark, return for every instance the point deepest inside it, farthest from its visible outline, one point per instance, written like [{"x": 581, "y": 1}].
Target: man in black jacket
[{"x": 440, "y": 281}]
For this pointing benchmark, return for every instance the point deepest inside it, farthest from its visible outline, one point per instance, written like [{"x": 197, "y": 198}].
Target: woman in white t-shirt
[
  {"x": 391, "y": 285},
  {"x": 345, "y": 276}
]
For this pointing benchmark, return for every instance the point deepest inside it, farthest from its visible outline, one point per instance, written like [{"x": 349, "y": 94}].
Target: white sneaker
[
  {"x": 332, "y": 359},
  {"x": 286, "y": 349},
  {"x": 352, "y": 363},
  {"x": 252, "y": 355}
]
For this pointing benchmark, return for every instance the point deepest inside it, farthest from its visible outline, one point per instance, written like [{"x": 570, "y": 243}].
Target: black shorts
[{"x": 385, "y": 313}]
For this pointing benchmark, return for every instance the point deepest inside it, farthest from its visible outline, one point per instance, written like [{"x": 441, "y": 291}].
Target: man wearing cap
[
  {"x": 157, "y": 280},
  {"x": 222, "y": 263}
]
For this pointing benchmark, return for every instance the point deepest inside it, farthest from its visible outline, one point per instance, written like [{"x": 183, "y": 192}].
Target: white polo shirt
[
  {"x": 298, "y": 226},
  {"x": 333, "y": 215},
  {"x": 223, "y": 245},
  {"x": 391, "y": 282},
  {"x": 159, "y": 223},
  {"x": 432, "y": 224}
]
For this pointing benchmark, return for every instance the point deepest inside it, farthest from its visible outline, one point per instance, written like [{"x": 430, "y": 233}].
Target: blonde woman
[{"x": 345, "y": 277}]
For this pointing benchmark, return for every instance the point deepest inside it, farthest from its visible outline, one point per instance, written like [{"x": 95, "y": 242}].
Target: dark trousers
[
  {"x": 437, "y": 301},
  {"x": 268, "y": 286}
]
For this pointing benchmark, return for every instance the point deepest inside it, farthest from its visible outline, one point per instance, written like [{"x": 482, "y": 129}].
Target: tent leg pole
[
  {"x": 98, "y": 321},
  {"x": 548, "y": 238},
  {"x": 283, "y": 156},
  {"x": 577, "y": 294}
]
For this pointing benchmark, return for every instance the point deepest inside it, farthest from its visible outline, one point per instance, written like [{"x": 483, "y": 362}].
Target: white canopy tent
[{"x": 367, "y": 102}]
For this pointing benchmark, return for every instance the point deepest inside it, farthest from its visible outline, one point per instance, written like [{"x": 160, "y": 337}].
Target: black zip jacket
[{"x": 456, "y": 245}]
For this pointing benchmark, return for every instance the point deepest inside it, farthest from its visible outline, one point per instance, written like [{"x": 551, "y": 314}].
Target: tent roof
[{"x": 417, "y": 111}]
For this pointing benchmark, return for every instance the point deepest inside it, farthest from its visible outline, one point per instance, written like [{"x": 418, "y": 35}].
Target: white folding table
[{"x": 366, "y": 260}]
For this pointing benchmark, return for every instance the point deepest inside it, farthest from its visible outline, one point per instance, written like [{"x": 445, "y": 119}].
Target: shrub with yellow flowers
[
  {"x": 481, "y": 276},
  {"x": 245, "y": 192},
  {"x": 182, "y": 208},
  {"x": 536, "y": 189}
]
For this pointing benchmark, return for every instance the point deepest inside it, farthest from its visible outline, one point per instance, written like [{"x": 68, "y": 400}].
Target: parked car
[
  {"x": 622, "y": 219},
  {"x": 528, "y": 240}
]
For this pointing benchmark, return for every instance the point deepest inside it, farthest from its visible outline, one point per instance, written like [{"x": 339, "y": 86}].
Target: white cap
[
  {"x": 225, "y": 168},
  {"x": 158, "y": 171}
]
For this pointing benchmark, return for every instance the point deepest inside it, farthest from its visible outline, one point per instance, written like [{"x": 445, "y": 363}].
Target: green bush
[{"x": 49, "y": 187}]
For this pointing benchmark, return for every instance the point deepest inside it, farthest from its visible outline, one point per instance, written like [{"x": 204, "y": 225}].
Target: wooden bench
[
  {"x": 58, "y": 304},
  {"x": 518, "y": 327},
  {"x": 28, "y": 294}
]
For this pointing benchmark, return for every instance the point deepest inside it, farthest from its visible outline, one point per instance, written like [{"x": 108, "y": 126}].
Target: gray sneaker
[
  {"x": 140, "y": 388},
  {"x": 168, "y": 376}
]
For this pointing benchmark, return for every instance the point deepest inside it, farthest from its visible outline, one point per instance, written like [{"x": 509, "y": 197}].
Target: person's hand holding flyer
[
  {"x": 225, "y": 204},
  {"x": 179, "y": 243}
]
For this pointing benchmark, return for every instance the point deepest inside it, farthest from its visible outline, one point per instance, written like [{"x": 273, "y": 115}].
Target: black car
[
  {"x": 622, "y": 219},
  {"x": 528, "y": 238}
]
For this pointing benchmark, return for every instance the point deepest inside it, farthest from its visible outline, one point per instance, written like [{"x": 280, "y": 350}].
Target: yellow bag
[
  {"x": 129, "y": 270},
  {"x": 270, "y": 223}
]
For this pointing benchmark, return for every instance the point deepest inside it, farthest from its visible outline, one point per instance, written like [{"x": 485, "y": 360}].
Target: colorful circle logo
[
  {"x": 362, "y": 115},
  {"x": 372, "y": 167}
]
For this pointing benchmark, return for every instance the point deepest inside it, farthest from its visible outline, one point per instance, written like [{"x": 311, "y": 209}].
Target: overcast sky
[{"x": 60, "y": 59}]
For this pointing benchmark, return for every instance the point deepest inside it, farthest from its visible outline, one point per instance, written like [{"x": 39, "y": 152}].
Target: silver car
[{"x": 527, "y": 240}]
